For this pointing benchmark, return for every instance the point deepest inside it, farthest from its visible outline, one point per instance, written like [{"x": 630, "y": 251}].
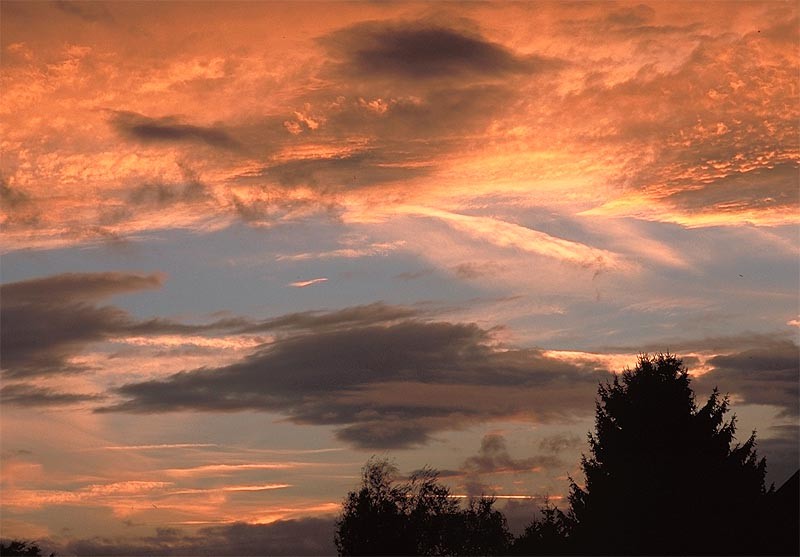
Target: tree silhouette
[
  {"x": 481, "y": 530},
  {"x": 373, "y": 519},
  {"x": 21, "y": 548},
  {"x": 416, "y": 517},
  {"x": 663, "y": 476},
  {"x": 545, "y": 536}
]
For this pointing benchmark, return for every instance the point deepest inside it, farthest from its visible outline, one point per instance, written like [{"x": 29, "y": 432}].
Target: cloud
[
  {"x": 310, "y": 282},
  {"x": 388, "y": 385},
  {"x": 756, "y": 368},
  {"x": 509, "y": 235},
  {"x": 354, "y": 252},
  {"x": 163, "y": 194},
  {"x": 493, "y": 458},
  {"x": 560, "y": 442},
  {"x": 339, "y": 172},
  {"x": 168, "y": 129},
  {"x": 394, "y": 97},
  {"x": 11, "y": 197},
  {"x": 764, "y": 375},
  {"x": 76, "y": 287},
  {"x": 475, "y": 269},
  {"x": 424, "y": 51},
  {"x": 779, "y": 444},
  {"x": 633, "y": 15},
  {"x": 160, "y": 446},
  {"x": 759, "y": 188},
  {"x": 414, "y": 275},
  {"x": 709, "y": 141},
  {"x": 320, "y": 321},
  {"x": 48, "y": 320},
  {"x": 303, "y": 536},
  {"x": 87, "y": 11},
  {"x": 20, "y": 394}
]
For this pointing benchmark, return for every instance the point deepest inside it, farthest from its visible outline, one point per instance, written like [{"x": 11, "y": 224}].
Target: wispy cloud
[
  {"x": 158, "y": 446},
  {"x": 509, "y": 235},
  {"x": 227, "y": 469},
  {"x": 376, "y": 249},
  {"x": 306, "y": 283}
]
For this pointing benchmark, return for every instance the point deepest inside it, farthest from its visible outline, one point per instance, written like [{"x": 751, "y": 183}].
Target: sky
[{"x": 247, "y": 246}]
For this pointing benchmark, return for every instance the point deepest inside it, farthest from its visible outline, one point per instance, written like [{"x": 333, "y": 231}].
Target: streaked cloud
[
  {"x": 380, "y": 248},
  {"x": 506, "y": 234},
  {"x": 227, "y": 469},
  {"x": 306, "y": 536},
  {"x": 389, "y": 394},
  {"x": 306, "y": 283},
  {"x": 59, "y": 309},
  {"x": 159, "y": 446}
]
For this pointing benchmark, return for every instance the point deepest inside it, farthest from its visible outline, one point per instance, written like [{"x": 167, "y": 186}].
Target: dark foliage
[
  {"x": 664, "y": 476},
  {"x": 483, "y": 530},
  {"x": 417, "y": 517},
  {"x": 547, "y": 535},
  {"x": 21, "y": 548}
]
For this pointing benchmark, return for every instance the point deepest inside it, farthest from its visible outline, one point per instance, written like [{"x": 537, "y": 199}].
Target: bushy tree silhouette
[
  {"x": 547, "y": 535},
  {"x": 483, "y": 530},
  {"x": 416, "y": 517},
  {"x": 663, "y": 476},
  {"x": 21, "y": 548},
  {"x": 373, "y": 519}
]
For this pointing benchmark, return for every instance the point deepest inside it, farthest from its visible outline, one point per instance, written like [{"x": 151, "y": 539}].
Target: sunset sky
[{"x": 246, "y": 246}]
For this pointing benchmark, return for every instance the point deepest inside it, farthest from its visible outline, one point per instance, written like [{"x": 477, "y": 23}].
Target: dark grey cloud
[
  {"x": 476, "y": 269},
  {"x": 17, "y": 206},
  {"x": 758, "y": 368},
  {"x": 21, "y": 394},
  {"x": 424, "y": 51},
  {"x": 303, "y": 536},
  {"x": 773, "y": 187},
  {"x": 47, "y": 320},
  {"x": 355, "y": 316},
  {"x": 388, "y": 385},
  {"x": 493, "y": 458},
  {"x": 76, "y": 287},
  {"x": 90, "y": 12},
  {"x": 781, "y": 445},
  {"x": 768, "y": 374},
  {"x": 12, "y": 197},
  {"x": 713, "y": 344},
  {"x": 560, "y": 442},
  {"x": 520, "y": 513},
  {"x": 276, "y": 207},
  {"x": 351, "y": 171},
  {"x": 392, "y": 99},
  {"x": 414, "y": 275},
  {"x": 631, "y": 15},
  {"x": 405, "y": 136},
  {"x": 160, "y": 194},
  {"x": 169, "y": 129}
]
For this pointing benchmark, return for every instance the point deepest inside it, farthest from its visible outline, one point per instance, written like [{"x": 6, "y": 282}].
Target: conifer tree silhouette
[{"x": 664, "y": 476}]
